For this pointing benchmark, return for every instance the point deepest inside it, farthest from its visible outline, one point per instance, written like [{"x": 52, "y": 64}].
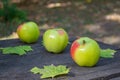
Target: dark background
[{"x": 98, "y": 19}]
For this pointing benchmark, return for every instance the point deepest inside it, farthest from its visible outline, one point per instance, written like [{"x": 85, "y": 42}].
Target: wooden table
[{"x": 14, "y": 67}]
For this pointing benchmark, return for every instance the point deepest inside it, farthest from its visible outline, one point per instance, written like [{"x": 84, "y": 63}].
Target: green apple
[
  {"x": 28, "y": 32},
  {"x": 85, "y": 51},
  {"x": 55, "y": 40}
]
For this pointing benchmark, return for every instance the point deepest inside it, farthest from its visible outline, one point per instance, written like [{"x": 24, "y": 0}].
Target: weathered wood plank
[{"x": 13, "y": 67}]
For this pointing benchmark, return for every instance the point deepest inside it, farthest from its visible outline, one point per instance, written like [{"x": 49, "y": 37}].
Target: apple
[
  {"x": 28, "y": 32},
  {"x": 55, "y": 40},
  {"x": 85, "y": 52}
]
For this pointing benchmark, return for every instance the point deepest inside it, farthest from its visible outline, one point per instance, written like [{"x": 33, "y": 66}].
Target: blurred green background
[{"x": 98, "y": 19}]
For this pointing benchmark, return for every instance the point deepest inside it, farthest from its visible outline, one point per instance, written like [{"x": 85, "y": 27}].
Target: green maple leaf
[
  {"x": 19, "y": 50},
  {"x": 50, "y": 71},
  {"x": 107, "y": 53}
]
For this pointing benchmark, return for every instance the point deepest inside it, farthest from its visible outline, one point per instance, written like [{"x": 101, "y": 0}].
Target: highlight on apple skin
[
  {"x": 55, "y": 40},
  {"x": 85, "y": 52},
  {"x": 28, "y": 32}
]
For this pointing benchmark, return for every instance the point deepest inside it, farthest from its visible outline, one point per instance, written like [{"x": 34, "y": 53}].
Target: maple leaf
[
  {"x": 107, "y": 53},
  {"x": 19, "y": 50},
  {"x": 51, "y": 71}
]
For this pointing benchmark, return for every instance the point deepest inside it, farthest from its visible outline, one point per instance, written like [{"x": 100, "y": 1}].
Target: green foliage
[
  {"x": 11, "y": 13},
  {"x": 107, "y": 53},
  {"x": 19, "y": 50},
  {"x": 50, "y": 71}
]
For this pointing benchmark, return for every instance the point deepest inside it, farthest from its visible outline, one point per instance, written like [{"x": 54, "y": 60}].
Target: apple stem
[{"x": 84, "y": 41}]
